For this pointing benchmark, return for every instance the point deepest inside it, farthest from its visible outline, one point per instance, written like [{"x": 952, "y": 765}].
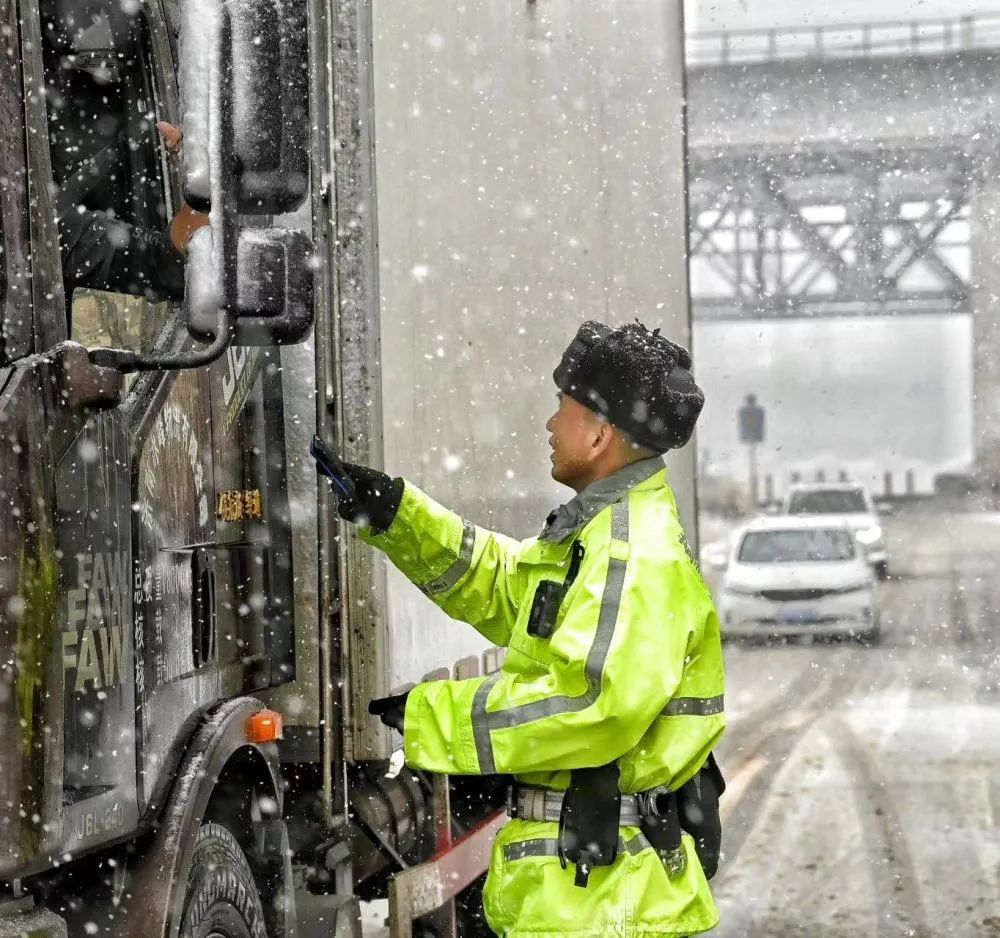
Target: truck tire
[{"x": 222, "y": 900}]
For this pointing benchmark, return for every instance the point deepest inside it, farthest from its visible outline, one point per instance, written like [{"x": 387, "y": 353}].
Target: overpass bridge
[{"x": 851, "y": 170}]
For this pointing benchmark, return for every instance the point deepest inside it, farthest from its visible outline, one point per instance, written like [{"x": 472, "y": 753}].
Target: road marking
[
  {"x": 797, "y": 718},
  {"x": 737, "y": 786},
  {"x": 752, "y": 766}
]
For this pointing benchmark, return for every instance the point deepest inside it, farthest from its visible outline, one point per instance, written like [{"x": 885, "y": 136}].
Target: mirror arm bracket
[{"x": 126, "y": 361}]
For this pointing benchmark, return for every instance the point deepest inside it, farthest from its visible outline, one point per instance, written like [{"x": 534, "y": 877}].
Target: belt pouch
[
  {"x": 661, "y": 824},
  {"x": 588, "y": 821},
  {"x": 698, "y": 808}
]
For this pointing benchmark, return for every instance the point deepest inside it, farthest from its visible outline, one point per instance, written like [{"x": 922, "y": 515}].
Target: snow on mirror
[
  {"x": 842, "y": 197},
  {"x": 274, "y": 287},
  {"x": 255, "y": 50}
]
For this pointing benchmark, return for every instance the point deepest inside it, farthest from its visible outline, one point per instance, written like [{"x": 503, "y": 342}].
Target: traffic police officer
[{"x": 613, "y": 653}]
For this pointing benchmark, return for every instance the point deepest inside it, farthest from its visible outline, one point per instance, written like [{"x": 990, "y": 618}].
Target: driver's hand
[
  {"x": 172, "y": 137},
  {"x": 183, "y": 226},
  {"x": 187, "y": 221}
]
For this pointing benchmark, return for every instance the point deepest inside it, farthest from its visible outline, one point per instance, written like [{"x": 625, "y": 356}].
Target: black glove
[
  {"x": 376, "y": 498},
  {"x": 390, "y": 710},
  {"x": 364, "y": 496}
]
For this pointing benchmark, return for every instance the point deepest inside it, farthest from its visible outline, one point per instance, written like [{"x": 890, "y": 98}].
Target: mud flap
[{"x": 327, "y": 916}]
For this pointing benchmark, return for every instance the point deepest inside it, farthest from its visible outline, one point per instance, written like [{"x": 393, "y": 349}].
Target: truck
[{"x": 411, "y": 208}]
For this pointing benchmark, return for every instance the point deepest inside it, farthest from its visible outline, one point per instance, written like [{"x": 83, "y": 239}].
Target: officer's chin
[{"x": 555, "y": 471}]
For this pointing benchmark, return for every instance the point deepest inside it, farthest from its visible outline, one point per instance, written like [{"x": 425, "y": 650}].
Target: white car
[
  {"x": 801, "y": 577},
  {"x": 853, "y": 504}
]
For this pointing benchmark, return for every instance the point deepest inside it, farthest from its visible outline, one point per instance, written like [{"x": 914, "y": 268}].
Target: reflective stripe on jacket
[{"x": 633, "y": 668}]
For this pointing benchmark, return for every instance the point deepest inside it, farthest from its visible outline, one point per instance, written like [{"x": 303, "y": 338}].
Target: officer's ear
[{"x": 603, "y": 439}]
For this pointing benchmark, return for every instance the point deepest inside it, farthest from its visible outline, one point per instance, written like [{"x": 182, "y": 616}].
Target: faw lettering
[
  {"x": 96, "y": 607},
  {"x": 101, "y": 593},
  {"x": 93, "y": 656}
]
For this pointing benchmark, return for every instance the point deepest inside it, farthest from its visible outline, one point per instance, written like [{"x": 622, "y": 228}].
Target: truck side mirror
[
  {"x": 260, "y": 49},
  {"x": 244, "y": 107},
  {"x": 244, "y": 96},
  {"x": 274, "y": 287}
]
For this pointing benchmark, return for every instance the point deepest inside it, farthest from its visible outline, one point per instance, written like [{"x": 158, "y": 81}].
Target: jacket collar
[{"x": 586, "y": 505}]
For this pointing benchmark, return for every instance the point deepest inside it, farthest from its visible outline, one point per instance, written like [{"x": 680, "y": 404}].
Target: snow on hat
[{"x": 637, "y": 380}]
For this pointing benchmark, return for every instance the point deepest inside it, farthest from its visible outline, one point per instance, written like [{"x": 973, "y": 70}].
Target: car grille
[{"x": 790, "y": 596}]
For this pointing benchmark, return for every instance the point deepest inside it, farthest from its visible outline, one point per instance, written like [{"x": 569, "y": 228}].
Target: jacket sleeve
[
  {"x": 103, "y": 253},
  {"x": 465, "y": 570},
  {"x": 618, "y": 657}
]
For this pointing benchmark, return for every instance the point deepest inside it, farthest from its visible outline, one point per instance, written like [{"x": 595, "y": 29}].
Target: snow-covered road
[{"x": 865, "y": 782}]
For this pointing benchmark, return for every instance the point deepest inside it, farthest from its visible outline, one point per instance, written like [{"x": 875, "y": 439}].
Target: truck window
[
  {"x": 15, "y": 292},
  {"x": 107, "y": 163}
]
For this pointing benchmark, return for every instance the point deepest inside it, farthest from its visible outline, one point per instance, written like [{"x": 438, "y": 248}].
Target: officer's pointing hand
[
  {"x": 390, "y": 710},
  {"x": 376, "y": 498},
  {"x": 364, "y": 496}
]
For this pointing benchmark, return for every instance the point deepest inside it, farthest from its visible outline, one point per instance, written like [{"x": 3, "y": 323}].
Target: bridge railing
[{"x": 883, "y": 39}]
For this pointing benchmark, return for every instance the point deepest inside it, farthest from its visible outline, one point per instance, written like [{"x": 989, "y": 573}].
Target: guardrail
[{"x": 883, "y": 39}]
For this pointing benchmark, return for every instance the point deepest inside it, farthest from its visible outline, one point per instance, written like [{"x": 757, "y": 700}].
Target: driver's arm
[{"x": 104, "y": 253}]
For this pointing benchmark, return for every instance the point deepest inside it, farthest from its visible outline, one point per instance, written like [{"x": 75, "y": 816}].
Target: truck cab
[{"x": 146, "y": 558}]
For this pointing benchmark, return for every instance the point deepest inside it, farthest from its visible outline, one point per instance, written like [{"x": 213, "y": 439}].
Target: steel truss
[{"x": 830, "y": 233}]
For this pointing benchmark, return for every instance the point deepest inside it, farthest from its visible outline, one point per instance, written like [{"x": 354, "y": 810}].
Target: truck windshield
[
  {"x": 829, "y": 502},
  {"x": 796, "y": 546}
]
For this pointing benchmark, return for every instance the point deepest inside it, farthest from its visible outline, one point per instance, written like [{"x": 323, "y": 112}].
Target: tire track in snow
[
  {"x": 751, "y": 723},
  {"x": 765, "y": 754},
  {"x": 900, "y": 911}
]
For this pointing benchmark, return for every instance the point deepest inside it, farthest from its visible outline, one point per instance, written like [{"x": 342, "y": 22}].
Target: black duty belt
[{"x": 543, "y": 804}]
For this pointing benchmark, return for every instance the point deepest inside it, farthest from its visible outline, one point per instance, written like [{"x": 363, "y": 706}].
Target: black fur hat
[{"x": 638, "y": 380}]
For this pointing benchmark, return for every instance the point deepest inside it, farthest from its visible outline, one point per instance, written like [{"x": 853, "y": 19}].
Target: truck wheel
[{"x": 222, "y": 900}]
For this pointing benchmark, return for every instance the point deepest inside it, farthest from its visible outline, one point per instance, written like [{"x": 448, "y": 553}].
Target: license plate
[{"x": 799, "y": 616}]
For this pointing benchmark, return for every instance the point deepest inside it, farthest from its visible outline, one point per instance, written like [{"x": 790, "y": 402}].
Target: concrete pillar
[{"x": 985, "y": 289}]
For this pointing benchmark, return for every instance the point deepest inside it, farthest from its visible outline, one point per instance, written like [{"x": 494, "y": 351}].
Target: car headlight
[
  {"x": 868, "y": 536},
  {"x": 740, "y": 590}
]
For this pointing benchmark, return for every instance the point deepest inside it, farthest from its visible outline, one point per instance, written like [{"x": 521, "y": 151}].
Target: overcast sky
[{"x": 709, "y": 15}]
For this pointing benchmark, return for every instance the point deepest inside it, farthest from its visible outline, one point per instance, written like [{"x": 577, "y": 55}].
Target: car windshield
[
  {"x": 796, "y": 546},
  {"x": 828, "y": 502}
]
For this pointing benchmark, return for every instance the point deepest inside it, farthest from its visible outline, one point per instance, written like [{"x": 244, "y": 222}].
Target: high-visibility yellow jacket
[{"x": 632, "y": 671}]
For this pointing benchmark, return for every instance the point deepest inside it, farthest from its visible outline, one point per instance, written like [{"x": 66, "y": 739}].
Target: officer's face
[{"x": 577, "y": 437}]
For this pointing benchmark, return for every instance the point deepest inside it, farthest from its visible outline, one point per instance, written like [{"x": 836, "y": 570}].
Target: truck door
[
  {"x": 135, "y": 518},
  {"x": 209, "y": 571}
]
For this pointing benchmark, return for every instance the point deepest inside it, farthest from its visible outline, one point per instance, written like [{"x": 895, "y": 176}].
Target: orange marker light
[{"x": 265, "y": 726}]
